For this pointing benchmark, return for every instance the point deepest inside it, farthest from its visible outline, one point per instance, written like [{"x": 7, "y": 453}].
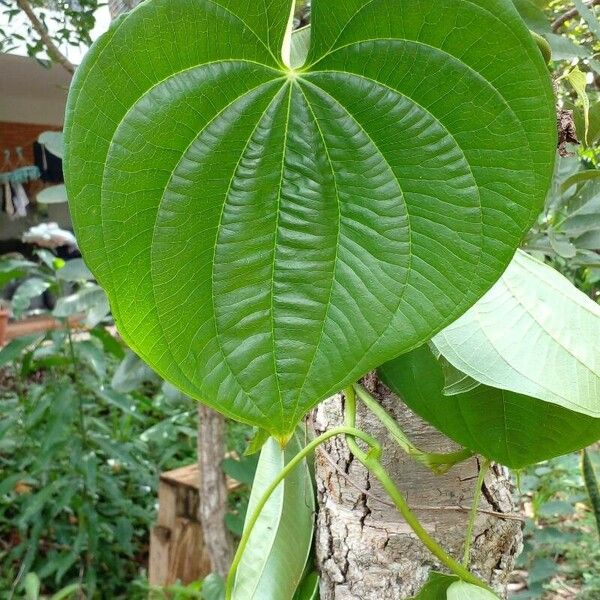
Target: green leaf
[
  {"x": 436, "y": 586},
  {"x": 280, "y": 543},
  {"x": 26, "y": 292},
  {"x": 66, "y": 592},
  {"x": 257, "y": 442},
  {"x": 586, "y": 12},
  {"x": 300, "y": 46},
  {"x": 131, "y": 373},
  {"x": 11, "y": 269},
  {"x": 213, "y": 587},
  {"x": 90, "y": 352},
  {"x": 561, "y": 244},
  {"x": 455, "y": 381},
  {"x": 512, "y": 429},
  {"x": 593, "y": 125},
  {"x": 460, "y": 590},
  {"x": 578, "y": 80},
  {"x": 241, "y": 470},
  {"x": 309, "y": 587},
  {"x": 90, "y": 301},
  {"x": 32, "y": 584},
  {"x": 580, "y": 178},
  {"x": 532, "y": 13},
  {"x": 74, "y": 270},
  {"x": 13, "y": 350},
  {"x": 109, "y": 342},
  {"x": 533, "y": 333},
  {"x": 565, "y": 49},
  {"x": 37, "y": 501},
  {"x": 267, "y": 235}
]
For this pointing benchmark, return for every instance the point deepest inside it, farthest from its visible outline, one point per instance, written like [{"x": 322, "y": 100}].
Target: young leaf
[
  {"x": 460, "y": 590},
  {"x": 436, "y": 586},
  {"x": 266, "y": 235},
  {"x": 512, "y": 429},
  {"x": 533, "y": 333},
  {"x": 273, "y": 563}
]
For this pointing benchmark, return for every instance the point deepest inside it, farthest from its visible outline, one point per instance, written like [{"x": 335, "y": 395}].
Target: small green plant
[
  {"x": 561, "y": 540},
  {"x": 272, "y": 215},
  {"x": 79, "y": 459}
]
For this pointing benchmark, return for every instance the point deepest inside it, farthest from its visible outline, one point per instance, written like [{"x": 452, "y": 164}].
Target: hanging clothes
[
  {"x": 20, "y": 200},
  {"x": 9, "y": 207}
]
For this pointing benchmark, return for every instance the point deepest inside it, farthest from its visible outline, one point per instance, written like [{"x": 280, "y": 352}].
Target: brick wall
[{"x": 20, "y": 134}]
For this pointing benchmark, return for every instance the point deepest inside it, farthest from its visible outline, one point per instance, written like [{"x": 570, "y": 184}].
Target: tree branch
[
  {"x": 569, "y": 15},
  {"x": 53, "y": 52}
]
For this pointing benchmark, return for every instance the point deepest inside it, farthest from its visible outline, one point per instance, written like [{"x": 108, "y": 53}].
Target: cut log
[{"x": 177, "y": 547}]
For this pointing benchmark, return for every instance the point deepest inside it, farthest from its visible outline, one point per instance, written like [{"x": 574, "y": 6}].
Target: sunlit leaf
[{"x": 267, "y": 235}]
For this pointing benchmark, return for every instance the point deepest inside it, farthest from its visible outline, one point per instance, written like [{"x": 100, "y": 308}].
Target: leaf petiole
[
  {"x": 439, "y": 463},
  {"x": 483, "y": 471},
  {"x": 372, "y": 464}
]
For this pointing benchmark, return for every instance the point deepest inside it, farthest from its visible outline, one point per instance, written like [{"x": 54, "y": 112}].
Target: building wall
[
  {"x": 24, "y": 134},
  {"x": 20, "y": 134}
]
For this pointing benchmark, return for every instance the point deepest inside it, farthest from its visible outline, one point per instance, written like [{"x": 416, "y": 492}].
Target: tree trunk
[
  {"x": 365, "y": 551},
  {"x": 116, "y": 7},
  {"x": 213, "y": 489}
]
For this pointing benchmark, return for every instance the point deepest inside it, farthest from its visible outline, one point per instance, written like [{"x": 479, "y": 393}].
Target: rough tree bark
[
  {"x": 213, "y": 489},
  {"x": 116, "y": 7},
  {"x": 365, "y": 551}
]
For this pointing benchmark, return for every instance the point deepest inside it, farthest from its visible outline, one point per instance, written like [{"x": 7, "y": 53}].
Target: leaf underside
[
  {"x": 510, "y": 428},
  {"x": 273, "y": 563},
  {"x": 533, "y": 333},
  {"x": 268, "y": 235}
]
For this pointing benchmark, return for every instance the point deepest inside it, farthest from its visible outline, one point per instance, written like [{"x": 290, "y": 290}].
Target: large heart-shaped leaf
[
  {"x": 267, "y": 234},
  {"x": 533, "y": 333},
  {"x": 512, "y": 429}
]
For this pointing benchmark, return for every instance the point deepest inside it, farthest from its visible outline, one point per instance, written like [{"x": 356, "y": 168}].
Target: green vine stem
[
  {"x": 591, "y": 484},
  {"x": 483, "y": 471},
  {"x": 437, "y": 462},
  {"x": 371, "y": 463},
  {"x": 375, "y": 450}
]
